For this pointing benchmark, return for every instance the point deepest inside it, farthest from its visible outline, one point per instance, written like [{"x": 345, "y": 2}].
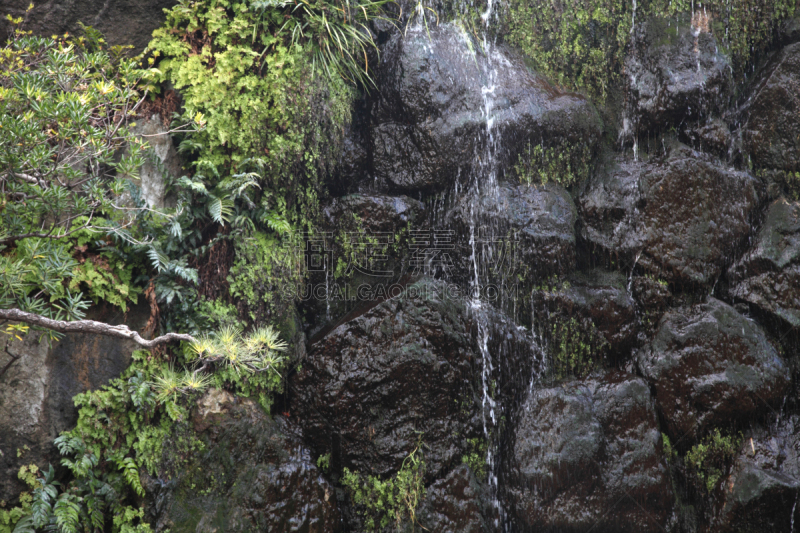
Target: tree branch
[{"x": 91, "y": 326}]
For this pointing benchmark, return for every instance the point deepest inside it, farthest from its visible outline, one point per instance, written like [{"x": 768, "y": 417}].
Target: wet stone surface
[{"x": 710, "y": 366}]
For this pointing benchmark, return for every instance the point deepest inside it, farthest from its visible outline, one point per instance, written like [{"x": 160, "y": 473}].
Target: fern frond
[{"x": 130, "y": 471}]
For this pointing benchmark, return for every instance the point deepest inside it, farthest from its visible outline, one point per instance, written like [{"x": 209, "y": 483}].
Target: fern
[
  {"x": 220, "y": 209},
  {"x": 25, "y": 525},
  {"x": 67, "y": 513},
  {"x": 131, "y": 473}
]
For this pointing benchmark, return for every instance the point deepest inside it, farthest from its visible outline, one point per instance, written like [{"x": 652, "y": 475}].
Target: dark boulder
[
  {"x": 518, "y": 230},
  {"x": 440, "y": 93},
  {"x": 455, "y": 504},
  {"x": 253, "y": 475},
  {"x": 710, "y": 366},
  {"x": 366, "y": 247},
  {"x": 675, "y": 73},
  {"x": 408, "y": 369},
  {"x": 588, "y": 454},
  {"x": 376, "y": 212},
  {"x": 768, "y": 276},
  {"x": 771, "y": 132},
  {"x": 763, "y": 488},
  {"x": 680, "y": 218}
]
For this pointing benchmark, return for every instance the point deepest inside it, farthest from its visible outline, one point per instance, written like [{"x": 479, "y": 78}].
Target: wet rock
[
  {"x": 763, "y": 488},
  {"x": 534, "y": 223},
  {"x": 405, "y": 370},
  {"x": 36, "y": 391},
  {"x": 455, "y": 504},
  {"x": 675, "y": 72},
  {"x": 653, "y": 297},
  {"x": 599, "y": 300},
  {"x": 430, "y": 119},
  {"x": 377, "y": 212},
  {"x": 368, "y": 254},
  {"x": 712, "y": 136},
  {"x": 127, "y": 23},
  {"x": 768, "y": 276},
  {"x": 252, "y": 476},
  {"x": 588, "y": 455},
  {"x": 771, "y": 132},
  {"x": 710, "y": 366},
  {"x": 680, "y": 218},
  {"x": 402, "y": 371},
  {"x": 162, "y": 159}
]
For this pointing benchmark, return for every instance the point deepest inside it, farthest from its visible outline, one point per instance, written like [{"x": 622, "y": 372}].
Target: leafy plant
[
  {"x": 65, "y": 104},
  {"x": 389, "y": 501},
  {"x": 475, "y": 457},
  {"x": 710, "y": 458}
]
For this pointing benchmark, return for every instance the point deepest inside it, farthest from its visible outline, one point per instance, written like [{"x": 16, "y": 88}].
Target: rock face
[
  {"x": 405, "y": 370},
  {"x": 764, "y": 484},
  {"x": 375, "y": 385},
  {"x": 536, "y": 222},
  {"x": 253, "y": 476},
  {"x": 710, "y": 366},
  {"x": 588, "y": 454},
  {"x": 600, "y": 300},
  {"x": 772, "y": 131},
  {"x": 430, "y": 120},
  {"x": 377, "y": 212},
  {"x": 768, "y": 276},
  {"x": 675, "y": 72},
  {"x": 455, "y": 504},
  {"x": 682, "y": 218},
  {"x": 151, "y": 180},
  {"x": 128, "y": 22},
  {"x": 36, "y": 393}
]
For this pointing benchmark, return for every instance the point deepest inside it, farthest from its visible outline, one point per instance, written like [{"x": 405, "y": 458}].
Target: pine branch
[{"x": 91, "y": 326}]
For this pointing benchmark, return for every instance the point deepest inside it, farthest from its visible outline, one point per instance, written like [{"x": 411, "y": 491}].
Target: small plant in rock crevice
[
  {"x": 391, "y": 501},
  {"x": 711, "y": 458}
]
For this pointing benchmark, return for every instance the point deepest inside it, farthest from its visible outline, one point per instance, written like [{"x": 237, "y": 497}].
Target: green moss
[
  {"x": 566, "y": 164},
  {"x": 710, "y": 459},
  {"x": 575, "y": 347},
  {"x": 475, "y": 457},
  {"x": 580, "y": 43}
]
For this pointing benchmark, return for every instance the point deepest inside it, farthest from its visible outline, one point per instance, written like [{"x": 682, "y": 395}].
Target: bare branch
[{"x": 91, "y": 326}]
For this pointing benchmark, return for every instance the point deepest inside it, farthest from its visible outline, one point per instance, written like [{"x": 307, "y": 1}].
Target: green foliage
[
  {"x": 580, "y": 43},
  {"x": 709, "y": 460},
  {"x": 250, "y": 364},
  {"x": 123, "y": 429},
  {"x": 64, "y": 107},
  {"x": 565, "y": 165},
  {"x": 575, "y": 43},
  {"x": 267, "y": 269},
  {"x": 475, "y": 457},
  {"x": 324, "y": 462},
  {"x": 669, "y": 451},
  {"x": 272, "y": 125},
  {"x": 390, "y": 501}
]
